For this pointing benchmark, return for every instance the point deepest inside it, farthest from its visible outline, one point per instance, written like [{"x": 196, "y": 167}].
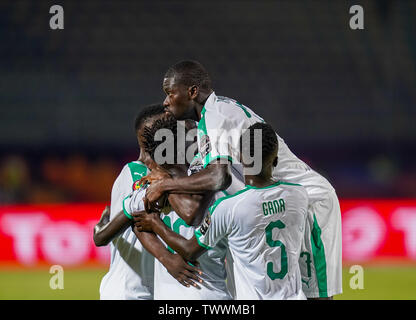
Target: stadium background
[{"x": 343, "y": 100}]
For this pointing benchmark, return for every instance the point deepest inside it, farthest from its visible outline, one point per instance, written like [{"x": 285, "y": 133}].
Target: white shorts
[{"x": 321, "y": 254}]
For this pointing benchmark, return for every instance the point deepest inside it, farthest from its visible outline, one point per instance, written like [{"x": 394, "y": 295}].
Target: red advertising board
[
  {"x": 32, "y": 235},
  {"x": 378, "y": 229},
  {"x": 61, "y": 234}
]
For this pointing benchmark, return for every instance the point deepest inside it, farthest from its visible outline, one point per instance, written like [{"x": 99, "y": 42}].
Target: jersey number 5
[{"x": 276, "y": 243}]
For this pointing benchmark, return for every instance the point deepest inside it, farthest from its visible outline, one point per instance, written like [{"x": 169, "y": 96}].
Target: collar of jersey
[
  {"x": 209, "y": 101},
  {"x": 271, "y": 186}
]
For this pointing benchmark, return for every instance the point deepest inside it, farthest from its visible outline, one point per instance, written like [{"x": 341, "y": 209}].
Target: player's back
[
  {"x": 265, "y": 235},
  {"x": 226, "y": 118}
]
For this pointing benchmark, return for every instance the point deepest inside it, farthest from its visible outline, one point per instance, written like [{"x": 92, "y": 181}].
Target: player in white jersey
[
  {"x": 130, "y": 275},
  {"x": 212, "y": 264},
  {"x": 221, "y": 121},
  {"x": 263, "y": 225},
  {"x": 131, "y": 267}
]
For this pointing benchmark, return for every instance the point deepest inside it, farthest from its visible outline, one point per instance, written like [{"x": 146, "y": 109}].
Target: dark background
[{"x": 343, "y": 100}]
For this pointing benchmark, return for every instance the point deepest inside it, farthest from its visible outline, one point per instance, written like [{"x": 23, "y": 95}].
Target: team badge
[
  {"x": 136, "y": 185},
  {"x": 205, "y": 146},
  {"x": 205, "y": 225}
]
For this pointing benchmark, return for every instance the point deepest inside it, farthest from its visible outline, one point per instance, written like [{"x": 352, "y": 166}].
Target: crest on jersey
[
  {"x": 205, "y": 145},
  {"x": 195, "y": 166},
  {"x": 137, "y": 186},
  {"x": 205, "y": 225}
]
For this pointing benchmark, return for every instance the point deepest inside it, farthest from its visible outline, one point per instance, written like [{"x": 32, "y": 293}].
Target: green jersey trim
[
  {"x": 319, "y": 259},
  {"x": 216, "y": 203},
  {"x": 208, "y": 159},
  {"x": 128, "y": 215},
  {"x": 273, "y": 185},
  {"x": 198, "y": 234},
  {"x": 137, "y": 170},
  {"x": 203, "y": 127}
]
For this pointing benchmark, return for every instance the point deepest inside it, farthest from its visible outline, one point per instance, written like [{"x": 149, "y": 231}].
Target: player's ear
[{"x": 193, "y": 92}]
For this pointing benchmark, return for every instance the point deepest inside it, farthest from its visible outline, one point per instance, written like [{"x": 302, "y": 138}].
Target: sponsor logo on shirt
[
  {"x": 205, "y": 146},
  {"x": 205, "y": 225}
]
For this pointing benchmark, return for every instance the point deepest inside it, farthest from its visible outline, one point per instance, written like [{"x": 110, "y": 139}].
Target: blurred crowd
[
  {"x": 56, "y": 180},
  {"x": 342, "y": 99},
  {"x": 81, "y": 178}
]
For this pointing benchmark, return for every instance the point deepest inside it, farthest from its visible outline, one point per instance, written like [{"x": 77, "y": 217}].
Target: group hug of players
[{"x": 217, "y": 226}]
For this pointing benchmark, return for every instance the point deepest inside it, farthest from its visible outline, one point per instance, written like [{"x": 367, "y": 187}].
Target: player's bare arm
[
  {"x": 190, "y": 207},
  {"x": 106, "y": 230},
  {"x": 178, "y": 268},
  {"x": 190, "y": 250},
  {"x": 215, "y": 177}
]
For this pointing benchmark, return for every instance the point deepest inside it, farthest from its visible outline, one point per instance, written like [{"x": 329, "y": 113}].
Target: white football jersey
[
  {"x": 211, "y": 263},
  {"x": 131, "y": 268},
  {"x": 223, "y": 120},
  {"x": 264, "y": 228}
]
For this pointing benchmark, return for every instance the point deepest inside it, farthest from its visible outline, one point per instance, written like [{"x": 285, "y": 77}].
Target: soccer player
[
  {"x": 263, "y": 225},
  {"x": 130, "y": 275},
  {"x": 189, "y": 94},
  {"x": 212, "y": 264}
]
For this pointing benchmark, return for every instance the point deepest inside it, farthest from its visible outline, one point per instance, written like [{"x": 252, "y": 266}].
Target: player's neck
[{"x": 259, "y": 181}]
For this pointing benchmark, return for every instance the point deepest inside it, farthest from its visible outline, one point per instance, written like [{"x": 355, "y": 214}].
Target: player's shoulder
[
  {"x": 297, "y": 190},
  {"x": 136, "y": 166},
  {"x": 229, "y": 201},
  {"x": 223, "y": 107},
  {"x": 132, "y": 172}
]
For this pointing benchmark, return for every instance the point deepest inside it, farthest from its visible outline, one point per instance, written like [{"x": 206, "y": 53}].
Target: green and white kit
[
  {"x": 223, "y": 120},
  {"x": 264, "y": 228},
  {"x": 130, "y": 275}
]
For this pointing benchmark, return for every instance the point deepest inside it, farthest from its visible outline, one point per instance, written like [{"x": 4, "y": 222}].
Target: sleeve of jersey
[
  {"x": 214, "y": 227},
  {"x": 133, "y": 202},
  {"x": 121, "y": 188},
  {"x": 214, "y": 138}
]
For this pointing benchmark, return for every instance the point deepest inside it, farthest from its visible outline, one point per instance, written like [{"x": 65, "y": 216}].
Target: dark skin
[
  {"x": 186, "y": 102},
  {"x": 190, "y": 249},
  {"x": 190, "y": 208},
  {"x": 105, "y": 230}
]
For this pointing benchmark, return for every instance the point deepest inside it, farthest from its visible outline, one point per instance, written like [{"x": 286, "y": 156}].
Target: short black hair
[
  {"x": 269, "y": 142},
  {"x": 147, "y": 113},
  {"x": 189, "y": 73},
  {"x": 170, "y": 123},
  {"x": 149, "y": 142}
]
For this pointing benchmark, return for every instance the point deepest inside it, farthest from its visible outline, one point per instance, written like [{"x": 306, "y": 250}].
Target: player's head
[
  {"x": 185, "y": 83},
  {"x": 161, "y": 140},
  {"x": 259, "y": 140},
  {"x": 145, "y": 118}
]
